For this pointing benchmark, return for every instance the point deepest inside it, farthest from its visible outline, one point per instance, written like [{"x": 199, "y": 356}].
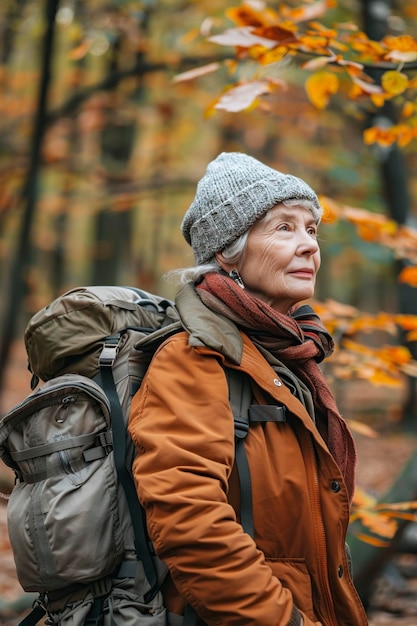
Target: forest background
[{"x": 110, "y": 112}]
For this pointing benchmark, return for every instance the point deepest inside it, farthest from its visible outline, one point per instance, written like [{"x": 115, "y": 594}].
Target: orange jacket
[{"x": 183, "y": 429}]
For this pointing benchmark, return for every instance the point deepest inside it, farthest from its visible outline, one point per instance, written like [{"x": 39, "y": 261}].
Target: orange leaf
[
  {"x": 373, "y": 541},
  {"x": 276, "y": 33},
  {"x": 331, "y": 210},
  {"x": 409, "y": 109},
  {"x": 404, "y": 43},
  {"x": 409, "y": 275},
  {"x": 78, "y": 53},
  {"x": 378, "y": 99},
  {"x": 247, "y": 15},
  {"x": 320, "y": 87}
]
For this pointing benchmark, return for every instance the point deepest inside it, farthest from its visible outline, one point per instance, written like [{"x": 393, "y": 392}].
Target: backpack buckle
[
  {"x": 241, "y": 429},
  {"x": 109, "y": 352}
]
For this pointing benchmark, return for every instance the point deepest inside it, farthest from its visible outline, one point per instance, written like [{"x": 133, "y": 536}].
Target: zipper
[{"x": 44, "y": 397}]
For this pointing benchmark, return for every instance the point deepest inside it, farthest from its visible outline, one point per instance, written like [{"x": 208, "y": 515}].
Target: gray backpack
[{"x": 78, "y": 539}]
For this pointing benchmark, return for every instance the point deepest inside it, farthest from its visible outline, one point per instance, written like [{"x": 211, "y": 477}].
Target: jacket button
[
  {"x": 277, "y": 382},
  {"x": 335, "y": 486},
  {"x": 340, "y": 571}
]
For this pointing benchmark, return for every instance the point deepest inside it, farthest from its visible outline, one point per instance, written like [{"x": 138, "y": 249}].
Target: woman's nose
[{"x": 308, "y": 244}]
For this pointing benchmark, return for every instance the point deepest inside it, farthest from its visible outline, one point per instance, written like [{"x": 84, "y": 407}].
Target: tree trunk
[
  {"x": 20, "y": 264},
  {"x": 394, "y": 180}
]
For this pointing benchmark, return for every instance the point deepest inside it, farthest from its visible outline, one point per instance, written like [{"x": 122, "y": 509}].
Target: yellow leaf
[
  {"x": 363, "y": 499},
  {"x": 273, "y": 56},
  {"x": 320, "y": 87},
  {"x": 394, "y": 82}
]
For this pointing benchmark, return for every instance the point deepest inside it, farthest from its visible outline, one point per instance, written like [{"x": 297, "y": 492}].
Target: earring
[{"x": 234, "y": 275}]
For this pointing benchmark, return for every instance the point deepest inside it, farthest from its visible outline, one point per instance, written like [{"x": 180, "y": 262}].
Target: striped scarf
[{"x": 300, "y": 341}]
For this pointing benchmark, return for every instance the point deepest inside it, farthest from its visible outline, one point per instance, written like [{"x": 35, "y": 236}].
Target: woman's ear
[{"x": 227, "y": 267}]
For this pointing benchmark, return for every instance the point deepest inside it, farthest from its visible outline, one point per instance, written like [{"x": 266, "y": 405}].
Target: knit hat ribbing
[{"x": 234, "y": 192}]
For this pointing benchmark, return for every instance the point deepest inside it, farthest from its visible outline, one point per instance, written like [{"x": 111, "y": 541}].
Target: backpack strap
[
  {"x": 36, "y": 614},
  {"x": 244, "y": 413},
  {"x": 240, "y": 398},
  {"x": 142, "y": 546}
]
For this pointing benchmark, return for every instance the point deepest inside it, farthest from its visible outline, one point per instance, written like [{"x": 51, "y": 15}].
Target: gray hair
[{"x": 233, "y": 253}]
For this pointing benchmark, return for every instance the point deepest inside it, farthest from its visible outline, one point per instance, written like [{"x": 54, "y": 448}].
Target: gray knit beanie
[{"x": 234, "y": 192}]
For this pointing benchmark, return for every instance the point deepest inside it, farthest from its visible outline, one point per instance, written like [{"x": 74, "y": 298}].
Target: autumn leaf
[
  {"x": 366, "y": 86},
  {"x": 318, "y": 62},
  {"x": 408, "y": 110},
  {"x": 308, "y": 11},
  {"x": 243, "y": 37},
  {"x": 409, "y": 275},
  {"x": 320, "y": 87},
  {"x": 378, "y": 135},
  {"x": 277, "y": 34},
  {"x": 196, "y": 72},
  {"x": 394, "y": 82},
  {"x": 373, "y": 541},
  {"x": 78, "y": 53},
  {"x": 331, "y": 210},
  {"x": 362, "y": 429},
  {"x": 247, "y": 15},
  {"x": 363, "y": 499},
  {"x": 317, "y": 27},
  {"x": 243, "y": 96},
  {"x": 403, "y": 43},
  {"x": 401, "y": 57}
]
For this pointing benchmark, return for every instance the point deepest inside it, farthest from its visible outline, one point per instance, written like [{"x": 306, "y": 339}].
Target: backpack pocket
[{"x": 63, "y": 518}]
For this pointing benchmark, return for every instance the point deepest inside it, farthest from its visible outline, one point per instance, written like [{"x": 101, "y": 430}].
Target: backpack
[
  {"x": 75, "y": 534},
  {"x": 76, "y": 526}
]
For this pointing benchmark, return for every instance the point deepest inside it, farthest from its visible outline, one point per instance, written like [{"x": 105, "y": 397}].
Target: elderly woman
[{"x": 260, "y": 542}]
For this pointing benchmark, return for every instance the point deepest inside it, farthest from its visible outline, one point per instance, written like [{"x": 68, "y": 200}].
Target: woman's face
[{"x": 282, "y": 257}]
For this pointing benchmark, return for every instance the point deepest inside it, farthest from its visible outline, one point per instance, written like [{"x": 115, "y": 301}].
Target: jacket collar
[{"x": 207, "y": 328}]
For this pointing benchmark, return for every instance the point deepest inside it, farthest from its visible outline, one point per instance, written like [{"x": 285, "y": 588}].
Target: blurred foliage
[{"x": 126, "y": 142}]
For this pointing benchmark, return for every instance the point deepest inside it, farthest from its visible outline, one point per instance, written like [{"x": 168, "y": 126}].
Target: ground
[{"x": 380, "y": 459}]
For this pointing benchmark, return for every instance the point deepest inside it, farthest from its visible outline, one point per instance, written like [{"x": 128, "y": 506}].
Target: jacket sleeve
[{"x": 183, "y": 430}]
